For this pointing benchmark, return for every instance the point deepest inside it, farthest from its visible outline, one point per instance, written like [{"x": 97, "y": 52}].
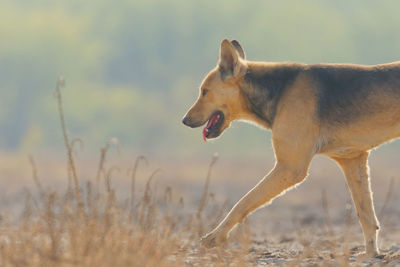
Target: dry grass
[
  {"x": 90, "y": 225},
  {"x": 103, "y": 231}
]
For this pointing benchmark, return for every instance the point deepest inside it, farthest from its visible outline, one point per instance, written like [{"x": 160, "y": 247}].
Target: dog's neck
[{"x": 263, "y": 86}]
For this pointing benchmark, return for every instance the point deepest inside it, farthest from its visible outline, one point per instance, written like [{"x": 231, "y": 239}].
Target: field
[
  {"x": 134, "y": 214},
  {"x": 107, "y": 175}
]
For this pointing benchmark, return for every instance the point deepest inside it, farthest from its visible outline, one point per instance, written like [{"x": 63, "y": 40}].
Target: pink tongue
[{"x": 214, "y": 119}]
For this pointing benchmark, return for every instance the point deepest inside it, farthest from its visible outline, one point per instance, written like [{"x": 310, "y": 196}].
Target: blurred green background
[{"x": 133, "y": 67}]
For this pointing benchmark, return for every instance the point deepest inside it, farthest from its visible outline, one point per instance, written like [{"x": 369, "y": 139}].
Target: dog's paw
[{"x": 212, "y": 240}]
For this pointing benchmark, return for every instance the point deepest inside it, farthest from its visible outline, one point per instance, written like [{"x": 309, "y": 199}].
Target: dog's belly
[{"x": 350, "y": 141}]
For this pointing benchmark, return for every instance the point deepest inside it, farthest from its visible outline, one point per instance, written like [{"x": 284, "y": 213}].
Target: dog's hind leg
[{"x": 357, "y": 176}]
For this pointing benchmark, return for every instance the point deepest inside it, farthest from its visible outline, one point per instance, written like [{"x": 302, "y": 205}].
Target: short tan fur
[{"x": 338, "y": 110}]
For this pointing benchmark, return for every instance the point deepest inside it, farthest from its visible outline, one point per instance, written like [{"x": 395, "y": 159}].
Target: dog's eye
[{"x": 204, "y": 92}]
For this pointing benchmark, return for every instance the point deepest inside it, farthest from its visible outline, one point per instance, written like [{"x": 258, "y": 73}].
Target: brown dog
[{"x": 338, "y": 110}]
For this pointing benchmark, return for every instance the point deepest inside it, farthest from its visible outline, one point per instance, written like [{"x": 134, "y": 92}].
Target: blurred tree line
[{"x": 133, "y": 67}]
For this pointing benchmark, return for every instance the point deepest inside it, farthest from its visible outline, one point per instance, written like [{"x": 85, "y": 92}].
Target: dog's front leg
[
  {"x": 357, "y": 177},
  {"x": 280, "y": 179}
]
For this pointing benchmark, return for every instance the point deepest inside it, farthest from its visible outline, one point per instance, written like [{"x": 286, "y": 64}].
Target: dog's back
[{"x": 347, "y": 93}]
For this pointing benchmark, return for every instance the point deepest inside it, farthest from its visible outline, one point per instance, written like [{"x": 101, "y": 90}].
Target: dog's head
[{"x": 220, "y": 101}]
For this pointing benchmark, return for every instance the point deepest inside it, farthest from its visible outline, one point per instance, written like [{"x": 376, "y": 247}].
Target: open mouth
[{"x": 213, "y": 125}]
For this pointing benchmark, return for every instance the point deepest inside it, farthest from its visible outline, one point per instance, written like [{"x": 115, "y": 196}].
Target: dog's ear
[
  {"x": 239, "y": 49},
  {"x": 229, "y": 62}
]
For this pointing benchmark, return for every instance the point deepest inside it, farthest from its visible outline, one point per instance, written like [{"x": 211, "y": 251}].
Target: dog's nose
[{"x": 185, "y": 121}]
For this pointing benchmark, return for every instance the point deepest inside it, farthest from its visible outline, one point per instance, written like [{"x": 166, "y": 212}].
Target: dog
[{"x": 341, "y": 111}]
